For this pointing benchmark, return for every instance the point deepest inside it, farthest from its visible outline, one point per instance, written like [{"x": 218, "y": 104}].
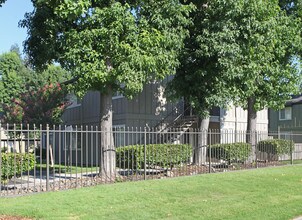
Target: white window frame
[
  {"x": 287, "y": 114},
  {"x": 117, "y": 95},
  {"x": 74, "y": 101},
  {"x": 75, "y": 139},
  {"x": 286, "y": 135},
  {"x": 122, "y": 128}
]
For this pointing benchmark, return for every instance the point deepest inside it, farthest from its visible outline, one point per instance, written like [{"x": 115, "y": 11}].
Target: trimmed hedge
[
  {"x": 162, "y": 155},
  {"x": 13, "y": 164},
  {"x": 232, "y": 152},
  {"x": 276, "y": 147}
]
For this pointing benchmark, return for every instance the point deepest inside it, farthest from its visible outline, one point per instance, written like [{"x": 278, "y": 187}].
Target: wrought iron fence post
[
  {"x": 255, "y": 147},
  {"x": 291, "y": 150},
  {"x": 210, "y": 154},
  {"x": 145, "y": 155},
  {"x": 47, "y": 157}
]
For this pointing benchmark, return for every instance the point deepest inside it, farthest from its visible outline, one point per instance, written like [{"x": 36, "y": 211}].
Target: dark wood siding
[{"x": 137, "y": 112}]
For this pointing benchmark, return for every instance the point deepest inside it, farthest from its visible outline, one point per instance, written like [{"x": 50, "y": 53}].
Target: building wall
[
  {"x": 287, "y": 129},
  {"x": 295, "y": 121},
  {"x": 235, "y": 118},
  {"x": 233, "y": 122},
  {"x": 145, "y": 110}
]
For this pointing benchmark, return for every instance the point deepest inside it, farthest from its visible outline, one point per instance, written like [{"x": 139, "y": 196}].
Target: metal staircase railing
[{"x": 168, "y": 131}]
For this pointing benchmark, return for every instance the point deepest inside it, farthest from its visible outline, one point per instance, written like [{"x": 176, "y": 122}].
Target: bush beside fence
[
  {"x": 231, "y": 152},
  {"x": 271, "y": 150},
  {"x": 161, "y": 155},
  {"x": 13, "y": 164}
]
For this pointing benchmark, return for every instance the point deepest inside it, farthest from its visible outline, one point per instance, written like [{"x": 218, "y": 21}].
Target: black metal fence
[{"x": 36, "y": 159}]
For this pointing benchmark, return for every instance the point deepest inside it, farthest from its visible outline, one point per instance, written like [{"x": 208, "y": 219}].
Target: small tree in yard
[
  {"x": 108, "y": 46},
  {"x": 42, "y": 106}
]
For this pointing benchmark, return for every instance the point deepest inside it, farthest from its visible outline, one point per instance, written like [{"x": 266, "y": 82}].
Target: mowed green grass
[{"x": 267, "y": 193}]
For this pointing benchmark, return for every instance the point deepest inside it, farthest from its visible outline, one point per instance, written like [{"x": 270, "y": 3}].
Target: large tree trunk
[
  {"x": 200, "y": 153},
  {"x": 251, "y": 127},
  {"x": 107, "y": 157}
]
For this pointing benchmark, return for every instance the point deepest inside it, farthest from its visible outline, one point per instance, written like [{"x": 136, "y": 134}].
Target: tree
[
  {"x": 28, "y": 96},
  {"x": 2, "y": 2},
  {"x": 201, "y": 78},
  {"x": 108, "y": 46},
  {"x": 268, "y": 43},
  {"x": 44, "y": 105},
  {"x": 12, "y": 83},
  {"x": 241, "y": 51}
]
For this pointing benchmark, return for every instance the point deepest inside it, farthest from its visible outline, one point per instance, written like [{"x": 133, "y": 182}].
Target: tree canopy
[
  {"x": 239, "y": 50},
  {"x": 12, "y": 83},
  {"x": 107, "y": 43},
  {"x": 38, "y": 106},
  {"x": 28, "y": 96},
  {"x": 1, "y": 2}
]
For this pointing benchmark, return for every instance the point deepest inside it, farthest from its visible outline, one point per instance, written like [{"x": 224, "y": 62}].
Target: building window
[
  {"x": 73, "y": 100},
  {"x": 285, "y": 114},
  {"x": 71, "y": 139},
  {"x": 119, "y": 135},
  {"x": 117, "y": 95},
  {"x": 286, "y": 135}
]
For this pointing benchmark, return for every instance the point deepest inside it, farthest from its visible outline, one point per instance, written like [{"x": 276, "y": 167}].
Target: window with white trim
[
  {"x": 74, "y": 100},
  {"x": 71, "y": 139},
  {"x": 286, "y": 135},
  {"x": 119, "y": 135},
  {"x": 117, "y": 95},
  {"x": 285, "y": 114}
]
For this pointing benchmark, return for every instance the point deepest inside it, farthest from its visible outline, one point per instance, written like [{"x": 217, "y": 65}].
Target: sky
[{"x": 11, "y": 12}]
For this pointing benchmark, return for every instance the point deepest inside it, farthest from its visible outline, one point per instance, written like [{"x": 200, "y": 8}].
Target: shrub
[
  {"x": 162, "y": 155},
  {"x": 232, "y": 152},
  {"x": 3, "y": 149},
  {"x": 275, "y": 148},
  {"x": 13, "y": 164}
]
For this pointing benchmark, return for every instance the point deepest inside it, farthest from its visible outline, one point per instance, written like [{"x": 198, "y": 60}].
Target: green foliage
[
  {"x": 13, "y": 164},
  {"x": 238, "y": 49},
  {"x": 2, "y": 2},
  {"x": 232, "y": 152},
  {"x": 42, "y": 106},
  {"x": 163, "y": 155},
  {"x": 276, "y": 147},
  {"x": 3, "y": 149},
  {"x": 29, "y": 96},
  {"x": 12, "y": 82},
  {"x": 108, "y": 43}
]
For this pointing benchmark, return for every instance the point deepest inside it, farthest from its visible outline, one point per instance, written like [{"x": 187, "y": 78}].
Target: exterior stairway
[{"x": 173, "y": 132}]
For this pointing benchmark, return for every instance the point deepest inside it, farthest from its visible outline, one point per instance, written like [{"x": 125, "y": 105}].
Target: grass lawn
[{"x": 268, "y": 193}]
